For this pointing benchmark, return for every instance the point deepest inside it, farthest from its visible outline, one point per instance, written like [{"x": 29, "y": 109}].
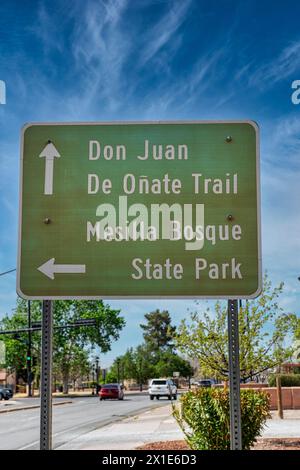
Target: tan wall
[
  {"x": 290, "y": 395},
  {"x": 253, "y": 385}
]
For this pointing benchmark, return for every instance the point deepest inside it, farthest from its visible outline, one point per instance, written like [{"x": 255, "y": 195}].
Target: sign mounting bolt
[
  {"x": 47, "y": 220},
  {"x": 228, "y": 139},
  {"x": 230, "y": 217}
]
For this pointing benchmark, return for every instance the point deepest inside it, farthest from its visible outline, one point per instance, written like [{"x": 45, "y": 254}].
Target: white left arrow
[
  {"x": 49, "y": 153},
  {"x": 50, "y": 268}
]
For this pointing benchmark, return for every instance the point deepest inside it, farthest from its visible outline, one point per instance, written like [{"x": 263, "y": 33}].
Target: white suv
[{"x": 162, "y": 388}]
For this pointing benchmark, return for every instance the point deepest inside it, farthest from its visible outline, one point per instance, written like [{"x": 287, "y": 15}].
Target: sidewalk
[
  {"x": 287, "y": 427},
  {"x": 158, "y": 425},
  {"x": 153, "y": 425}
]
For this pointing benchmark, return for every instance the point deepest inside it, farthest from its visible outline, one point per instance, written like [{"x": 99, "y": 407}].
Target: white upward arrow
[
  {"x": 49, "y": 153},
  {"x": 49, "y": 268}
]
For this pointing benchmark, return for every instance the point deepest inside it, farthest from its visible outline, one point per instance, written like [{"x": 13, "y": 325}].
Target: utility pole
[{"x": 28, "y": 358}]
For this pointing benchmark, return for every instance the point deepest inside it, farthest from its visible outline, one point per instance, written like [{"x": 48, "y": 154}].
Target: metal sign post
[
  {"x": 46, "y": 378},
  {"x": 28, "y": 359},
  {"x": 234, "y": 376}
]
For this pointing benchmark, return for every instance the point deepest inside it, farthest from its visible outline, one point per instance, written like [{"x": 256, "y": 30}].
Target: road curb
[{"x": 32, "y": 407}]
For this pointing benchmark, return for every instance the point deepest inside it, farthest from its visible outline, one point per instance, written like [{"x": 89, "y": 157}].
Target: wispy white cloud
[
  {"x": 46, "y": 30},
  {"x": 164, "y": 30},
  {"x": 287, "y": 132},
  {"x": 280, "y": 200},
  {"x": 283, "y": 141},
  {"x": 100, "y": 48},
  {"x": 191, "y": 90},
  {"x": 278, "y": 69}
]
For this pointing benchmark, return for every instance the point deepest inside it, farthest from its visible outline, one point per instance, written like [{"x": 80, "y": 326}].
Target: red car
[{"x": 111, "y": 391}]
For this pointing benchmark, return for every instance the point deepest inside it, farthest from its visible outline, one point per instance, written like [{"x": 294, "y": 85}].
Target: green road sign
[{"x": 161, "y": 209}]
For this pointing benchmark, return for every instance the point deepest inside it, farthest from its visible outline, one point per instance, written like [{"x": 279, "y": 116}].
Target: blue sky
[{"x": 153, "y": 60}]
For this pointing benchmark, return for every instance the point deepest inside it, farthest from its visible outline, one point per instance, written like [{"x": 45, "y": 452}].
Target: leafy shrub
[
  {"x": 287, "y": 380},
  {"x": 204, "y": 417}
]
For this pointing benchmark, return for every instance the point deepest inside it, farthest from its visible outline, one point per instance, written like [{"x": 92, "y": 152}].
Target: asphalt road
[{"x": 20, "y": 429}]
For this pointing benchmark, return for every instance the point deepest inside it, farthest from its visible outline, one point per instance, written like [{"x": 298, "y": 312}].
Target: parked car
[
  {"x": 204, "y": 383},
  {"x": 5, "y": 393},
  {"x": 111, "y": 391},
  {"x": 162, "y": 388},
  {"x": 10, "y": 392}
]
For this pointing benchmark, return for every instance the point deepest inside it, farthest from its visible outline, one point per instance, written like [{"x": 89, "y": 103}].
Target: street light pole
[
  {"x": 97, "y": 375},
  {"x": 93, "y": 372},
  {"x": 118, "y": 370},
  {"x": 140, "y": 375}
]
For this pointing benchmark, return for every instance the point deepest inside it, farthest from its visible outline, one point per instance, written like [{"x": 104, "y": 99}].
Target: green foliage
[
  {"x": 158, "y": 331},
  {"x": 68, "y": 342},
  {"x": 111, "y": 378},
  {"x": 263, "y": 328},
  {"x": 80, "y": 365},
  {"x": 206, "y": 414},
  {"x": 169, "y": 363},
  {"x": 296, "y": 327},
  {"x": 16, "y": 346},
  {"x": 287, "y": 380},
  {"x": 134, "y": 364},
  {"x": 295, "y": 321},
  {"x": 156, "y": 357},
  {"x": 140, "y": 364},
  {"x": 71, "y": 346}
]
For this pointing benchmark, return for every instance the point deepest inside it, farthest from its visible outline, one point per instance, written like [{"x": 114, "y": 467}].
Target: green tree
[
  {"x": 169, "y": 363},
  {"x": 144, "y": 366},
  {"x": 16, "y": 345},
  {"x": 128, "y": 365},
  {"x": 66, "y": 342},
  {"x": 263, "y": 327},
  {"x": 80, "y": 365},
  {"x": 296, "y": 339},
  {"x": 156, "y": 357},
  {"x": 158, "y": 331},
  {"x": 135, "y": 364}
]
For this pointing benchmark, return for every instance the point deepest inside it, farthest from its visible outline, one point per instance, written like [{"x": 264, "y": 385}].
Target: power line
[{"x": 7, "y": 272}]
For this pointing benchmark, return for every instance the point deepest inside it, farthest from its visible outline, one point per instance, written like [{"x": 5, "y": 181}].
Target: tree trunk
[{"x": 65, "y": 383}]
